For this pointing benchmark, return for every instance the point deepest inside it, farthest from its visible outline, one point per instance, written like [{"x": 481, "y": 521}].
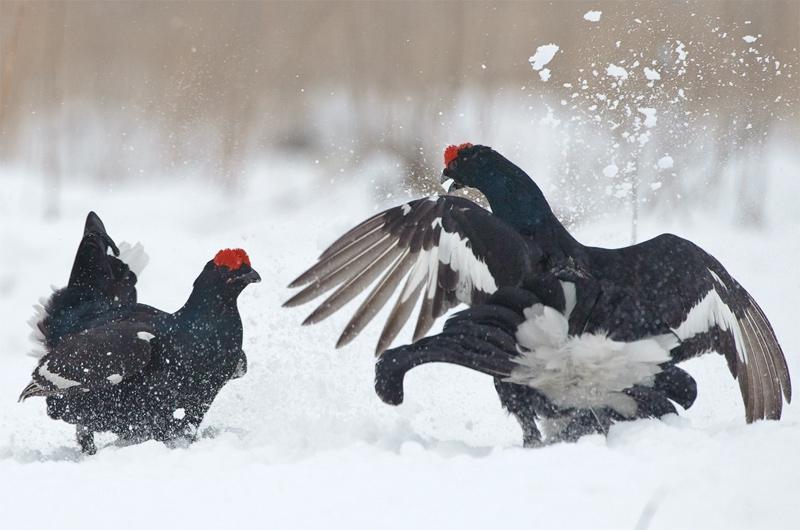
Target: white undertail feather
[
  {"x": 134, "y": 256},
  {"x": 584, "y": 371},
  {"x": 36, "y": 336}
]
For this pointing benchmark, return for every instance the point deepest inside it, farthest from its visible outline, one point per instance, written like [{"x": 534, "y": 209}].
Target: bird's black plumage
[
  {"x": 112, "y": 364},
  {"x": 489, "y": 338},
  {"x": 666, "y": 286}
]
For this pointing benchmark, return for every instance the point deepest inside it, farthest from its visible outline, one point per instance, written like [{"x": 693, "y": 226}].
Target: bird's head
[
  {"x": 229, "y": 271},
  {"x": 469, "y": 166}
]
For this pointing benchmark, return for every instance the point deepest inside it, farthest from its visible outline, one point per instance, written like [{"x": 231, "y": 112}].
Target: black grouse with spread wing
[
  {"x": 112, "y": 364},
  {"x": 576, "y": 337}
]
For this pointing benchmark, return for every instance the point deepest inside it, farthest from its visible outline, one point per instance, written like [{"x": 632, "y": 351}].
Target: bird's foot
[{"x": 85, "y": 439}]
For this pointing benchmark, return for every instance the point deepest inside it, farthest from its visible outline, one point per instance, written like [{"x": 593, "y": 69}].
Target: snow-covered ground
[{"x": 303, "y": 442}]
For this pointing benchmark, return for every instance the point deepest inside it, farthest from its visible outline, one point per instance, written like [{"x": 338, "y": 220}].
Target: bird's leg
[
  {"x": 523, "y": 403},
  {"x": 531, "y": 436},
  {"x": 85, "y": 439},
  {"x": 602, "y": 426},
  {"x": 583, "y": 422}
]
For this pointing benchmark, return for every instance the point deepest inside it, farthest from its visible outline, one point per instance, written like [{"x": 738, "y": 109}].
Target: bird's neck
[
  {"x": 515, "y": 198},
  {"x": 203, "y": 303}
]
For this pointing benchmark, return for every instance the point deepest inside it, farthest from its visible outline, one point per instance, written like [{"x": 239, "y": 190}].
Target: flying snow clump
[
  {"x": 592, "y": 16},
  {"x": 544, "y": 54},
  {"x": 749, "y": 39},
  {"x": 665, "y": 162},
  {"x": 617, "y": 71},
  {"x": 651, "y": 75},
  {"x": 650, "y": 118}
]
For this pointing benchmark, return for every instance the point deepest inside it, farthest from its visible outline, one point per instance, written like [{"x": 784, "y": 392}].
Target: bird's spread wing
[
  {"x": 101, "y": 357},
  {"x": 688, "y": 292},
  {"x": 447, "y": 249}
]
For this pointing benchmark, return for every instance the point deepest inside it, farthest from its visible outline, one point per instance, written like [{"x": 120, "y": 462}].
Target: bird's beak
[
  {"x": 449, "y": 183},
  {"x": 249, "y": 277}
]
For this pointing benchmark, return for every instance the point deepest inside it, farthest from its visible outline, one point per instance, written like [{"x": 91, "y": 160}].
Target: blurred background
[{"x": 645, "y": 105}]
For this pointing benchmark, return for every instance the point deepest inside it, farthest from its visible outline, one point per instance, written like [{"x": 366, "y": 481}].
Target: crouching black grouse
[
  {"x": 112, "y": 364},
  {"x": 578, "y": 335}
]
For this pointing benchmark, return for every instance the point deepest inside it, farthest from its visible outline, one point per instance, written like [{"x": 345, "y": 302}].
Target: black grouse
[
  {"x": 112, "y": 364},
  {"x": 576, "y": 337}
]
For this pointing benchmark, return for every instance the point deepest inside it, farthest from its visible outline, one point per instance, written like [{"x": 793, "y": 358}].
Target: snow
[
  {"x": 301, "y": 441},
  {"x": 651, "y": 75},
  {"x": 749, "y": 39},
  {"x": 544, "y": 54},
  {"x": 610, "y": 170},
  {"x": 650, "y": 117},
  {"x": 680, "y": 49},
  {"x": 592, "y": 16},
  {"x": 544, "y": 74},
  {"x": 665, "y": 162},
  {"x": 617, "y": 71}
]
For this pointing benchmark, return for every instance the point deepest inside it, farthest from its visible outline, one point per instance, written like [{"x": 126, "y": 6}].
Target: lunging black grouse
[
  {"x": 576, "y": 337},
  {"x": 112, "y": 364}
]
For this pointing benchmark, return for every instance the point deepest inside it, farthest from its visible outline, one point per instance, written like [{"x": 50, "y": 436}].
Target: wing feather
[
  {"x": 710, "y": 311},
  {"x": 99, "y": 357},
  {"x": 449, "y": 250},
  {"x": 377, "y": 298}
]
